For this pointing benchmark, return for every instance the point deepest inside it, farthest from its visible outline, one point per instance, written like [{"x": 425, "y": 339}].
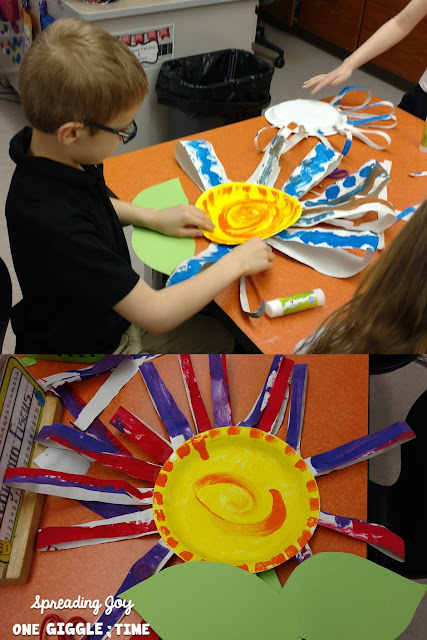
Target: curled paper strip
[
  {"x": 87, "y": 445},
  {"x": 174, "y": 420},
  {"x": 198, "y": 409},
  {"x": 220, "y": 390},
  {"x": 244, "y": 298},
  {"x": 199, "y": 161},
  {"x": 333, "y": 262},
  {"x": 342, "y": 215},
  {"x": 59, "y": 459},
  {"x": 296, "y": 412},
  {"x": 317, "y": 164},
  {"x": 150, "y": 563},
  {"x": 255, "y": 413},
  {"x": 374, "y": 534},
  {"x": 141, "y": 434},
  {"x": 112, "y": 510},
  {"x": 360, "y": 449},
  {"x": 268, "y": 170},
  {"x": 134, "y": 525},
  {"x": 50, "y": 383},
  {"x": 75, "y": 404},
  {"x": 70, "y": 485},
  {"x": 272, "y": 417},
  {"x": 102, "y": 398}
]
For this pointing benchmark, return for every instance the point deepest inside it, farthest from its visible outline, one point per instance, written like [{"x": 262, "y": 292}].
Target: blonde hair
[
  {"x": 75, "y": 71},
  {"x": 388, "y": 312}
]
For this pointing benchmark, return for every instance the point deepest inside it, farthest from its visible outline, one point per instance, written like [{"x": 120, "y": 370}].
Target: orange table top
[
  {"x": 336, "y": 412},
  {"x": 128, "y": 174}
]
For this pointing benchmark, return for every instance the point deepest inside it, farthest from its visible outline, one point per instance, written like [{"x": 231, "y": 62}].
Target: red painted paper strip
[
  {"x": 141, "y": 434},
  {"x": 277, "y": 395},
  {"x": 198, "y": 409},
  {"x": 52, "y": 536}
]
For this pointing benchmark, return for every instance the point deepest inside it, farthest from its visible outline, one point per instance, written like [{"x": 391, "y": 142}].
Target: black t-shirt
[{"x": 69, "y": 253}]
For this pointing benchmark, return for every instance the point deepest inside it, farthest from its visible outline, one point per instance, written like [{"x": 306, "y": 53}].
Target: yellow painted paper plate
[
  {"x": 240, "y": 211},
  {"x": 236, "y": 495}
]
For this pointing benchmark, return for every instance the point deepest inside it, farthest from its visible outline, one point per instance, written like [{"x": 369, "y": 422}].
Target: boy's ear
[{"x": 69, "y": 132}]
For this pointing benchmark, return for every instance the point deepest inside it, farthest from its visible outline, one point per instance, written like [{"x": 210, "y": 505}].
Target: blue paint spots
[
  {"x": 364, "y": 171},
  {"x": 332, "y": 192},
  {"x": 350, "y": 181},
  {"x": 342, "y": 522}
]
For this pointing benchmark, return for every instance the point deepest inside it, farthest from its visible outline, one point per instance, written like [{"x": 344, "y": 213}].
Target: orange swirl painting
[
  {"x": 241, "y": 211},
  {"x": 236, "y": 495}
]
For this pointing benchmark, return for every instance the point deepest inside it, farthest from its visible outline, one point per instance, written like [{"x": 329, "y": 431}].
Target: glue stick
[
  {"x": 423, "y": 145},
  {"x": 292, "y": 304}
]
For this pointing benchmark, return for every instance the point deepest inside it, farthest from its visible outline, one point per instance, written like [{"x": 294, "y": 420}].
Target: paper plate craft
[
  {"x": 231, "y": 491},
  {"x": 236, "y": 495},
  {"x": 241, "y": 211},
  {"x": 328, "y": 119}
]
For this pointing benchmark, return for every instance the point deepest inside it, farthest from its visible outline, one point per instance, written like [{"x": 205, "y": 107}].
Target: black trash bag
[{"x": 233, "y": 83}]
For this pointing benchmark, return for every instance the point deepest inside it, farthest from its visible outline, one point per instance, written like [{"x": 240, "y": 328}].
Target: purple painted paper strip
[
  {"x": 174, "y": 420},
  {"x": 220, "y": 391},
  {"x": 296, "y": 412},
  {"x": 106, "y": 510},
  {"x": 75, "y": 404},
  {"x": 141, "y": 570},
  {"x": 255, "y": 414},
  {"x": 360, "y": 449}
]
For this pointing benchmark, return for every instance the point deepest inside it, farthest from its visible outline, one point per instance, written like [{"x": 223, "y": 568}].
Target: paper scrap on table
[
  {"x": 174, "y": 420},
  {"x": 195, "y": 401},
  {"x": 360, "y": 449},
  {"x": 62, "y": 460},
  {"x": 318, "y": 602},
  {"x": 133, "y": 525},
  {"x": 82, "y": 443},
  {"x": 374, "y": 534},
  {"x": 200, "y": 162},
  {"x": 50, "y": 383},
  {"x": 158, "y": 251},
  {"x": 71, "y": 485},
  {"x": 141, "y": 434},
  {"x": 220, "y": 391},
  {"x": 102, "y": 398}
]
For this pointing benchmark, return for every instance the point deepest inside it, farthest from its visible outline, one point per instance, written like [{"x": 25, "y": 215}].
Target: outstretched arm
[
  {"x": 386, "y": 37},
  {"x": 163, "y": 310}
]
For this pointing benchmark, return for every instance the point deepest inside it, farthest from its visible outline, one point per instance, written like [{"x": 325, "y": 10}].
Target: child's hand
[
  {"x": 182, "y": 221},
  {"x": 254, "y": 256},
  {"x": 335, "y": 77}
]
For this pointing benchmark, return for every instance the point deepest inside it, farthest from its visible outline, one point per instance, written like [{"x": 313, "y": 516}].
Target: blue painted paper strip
[
  {"x": 333, "y": 238},
  {"x": 220, "y": 391},
  {"x": 296, "y": 412},
  {"x": 314, "y": 167},
  {"x": 191, "y": 267},
  {"x": 174, "y": 420},
  {"x": 106, "y": 510},
  {"x": 360, "y": 449},
  {"x": 205, "y": 161}
]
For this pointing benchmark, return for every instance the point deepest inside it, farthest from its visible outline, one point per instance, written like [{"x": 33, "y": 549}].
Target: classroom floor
[{"x": 303, "y": 60}]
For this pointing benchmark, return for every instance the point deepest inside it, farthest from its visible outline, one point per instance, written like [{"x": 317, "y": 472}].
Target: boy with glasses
[{"x": 81, "y": 89}]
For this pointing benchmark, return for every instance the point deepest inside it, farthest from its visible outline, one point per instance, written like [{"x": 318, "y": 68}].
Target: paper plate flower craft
[
  {"x": 241, "y": 211},
  {"x": 233, "y": 492}
]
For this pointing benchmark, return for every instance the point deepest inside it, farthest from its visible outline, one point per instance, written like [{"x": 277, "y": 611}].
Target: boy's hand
[
  {"x": 253, "y": 256},
  {"x": 335, "y": 77},
  {"x": 182, "y": 221}
]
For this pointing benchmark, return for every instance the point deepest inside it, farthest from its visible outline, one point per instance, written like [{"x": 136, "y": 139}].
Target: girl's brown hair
[
  {"x": 75, "y": 71},
  {"x": 388, "y": 312}
]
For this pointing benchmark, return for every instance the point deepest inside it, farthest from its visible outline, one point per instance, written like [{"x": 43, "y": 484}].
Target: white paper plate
[{"x": 312, "y": 114}]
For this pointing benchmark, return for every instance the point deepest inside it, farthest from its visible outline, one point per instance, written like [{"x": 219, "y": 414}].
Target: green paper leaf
[
  {"x": 160, "y": 252},
  {"x": 270, "y": 577},
  {"x": 330, "y": 596}
]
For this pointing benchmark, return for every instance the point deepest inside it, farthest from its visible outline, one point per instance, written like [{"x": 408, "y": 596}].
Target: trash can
[{"x": 213, "y": 89}]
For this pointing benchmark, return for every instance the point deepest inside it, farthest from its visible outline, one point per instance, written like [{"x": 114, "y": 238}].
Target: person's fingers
[{"x": 312, "y": 81}]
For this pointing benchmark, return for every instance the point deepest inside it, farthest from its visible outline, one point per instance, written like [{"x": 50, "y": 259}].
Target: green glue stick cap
[{"x": 293, "y": 304}]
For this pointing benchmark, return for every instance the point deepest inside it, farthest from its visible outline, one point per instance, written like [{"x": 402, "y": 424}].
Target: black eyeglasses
[{"x": 126, "y": 136}]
